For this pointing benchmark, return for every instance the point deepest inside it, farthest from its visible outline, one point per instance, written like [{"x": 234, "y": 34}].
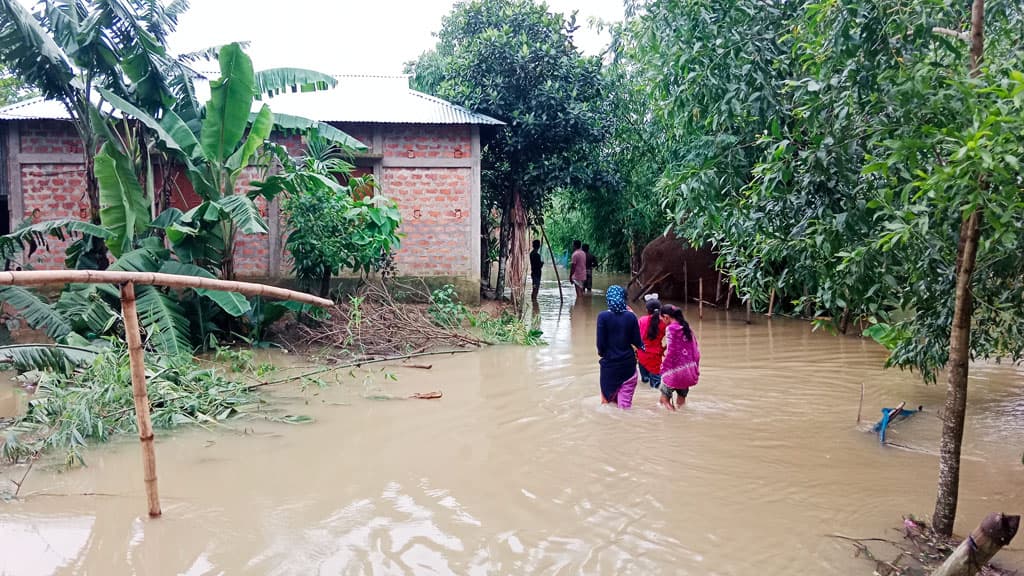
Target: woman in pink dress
[{"x": 680, "y": 368}]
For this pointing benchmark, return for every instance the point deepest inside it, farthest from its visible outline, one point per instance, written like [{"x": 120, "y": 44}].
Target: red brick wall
[
  {"x": 52, "y": 191},
  {"x": 49, "y": 137},
  {"x": 435, "y": 202},
  {"x": 427, "y": 141},
  {"x": 435, "y": 206}
]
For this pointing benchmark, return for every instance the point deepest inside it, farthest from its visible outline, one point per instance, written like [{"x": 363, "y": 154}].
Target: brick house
[{"x": 423, "y": 151}]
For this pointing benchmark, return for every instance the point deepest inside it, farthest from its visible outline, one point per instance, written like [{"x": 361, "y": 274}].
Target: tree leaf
[
  {"x": 124, "y": 211},
  {"x": 262, "y": 124},
  {"x": 42, "y": 357},
  {"x": 163, "y": 320},
  {"x": 277, "y": 80},
  {"x": 231, "y": 302},
  {"x": 38, "y": 313},
  {"x": 243, "y": 212},
  {"x": 227, "y": 112}
]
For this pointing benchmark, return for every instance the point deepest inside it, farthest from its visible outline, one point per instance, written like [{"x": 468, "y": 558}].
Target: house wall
[{"x": 431, "y": 171}]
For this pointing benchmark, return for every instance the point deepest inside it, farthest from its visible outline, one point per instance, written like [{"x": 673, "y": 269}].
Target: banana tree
[
  {"x": 214, "y": 157},
  {"x": 69, "y": 48}
]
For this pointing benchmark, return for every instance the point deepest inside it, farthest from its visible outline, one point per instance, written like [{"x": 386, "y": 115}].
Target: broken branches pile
[{"x": 373, "y": 324}]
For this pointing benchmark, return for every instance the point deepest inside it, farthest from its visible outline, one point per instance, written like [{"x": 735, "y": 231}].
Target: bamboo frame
[
  {"x": 132, "y": 334},
  {"x": 42, "y": 277},
  {"x": 140, "y": 395}
]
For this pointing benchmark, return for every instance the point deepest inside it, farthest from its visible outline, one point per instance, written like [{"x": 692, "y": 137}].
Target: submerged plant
[{"x": 94, "y": 403}]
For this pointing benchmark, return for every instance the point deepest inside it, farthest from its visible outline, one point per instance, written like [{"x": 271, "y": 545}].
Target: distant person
[
  {"x": 618, "y": 334},
  {"x": 652, "y": 330},
  {"x": 578, "y": 267},
  {"x": 588, "y": 285},
  {"x": 536, "y": 268},
  {"x": 680, "y": 369}
]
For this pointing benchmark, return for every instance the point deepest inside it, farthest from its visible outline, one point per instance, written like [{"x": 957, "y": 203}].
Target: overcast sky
[{"x": 346, "y": 36}]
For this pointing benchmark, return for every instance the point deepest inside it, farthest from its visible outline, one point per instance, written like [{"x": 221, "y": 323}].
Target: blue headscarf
[{"x": 616, "y": 296}]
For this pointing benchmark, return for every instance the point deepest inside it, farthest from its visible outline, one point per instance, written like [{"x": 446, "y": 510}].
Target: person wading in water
[
  {"x": 578, "y": 267},
  {"x": 536, "y": 267},
  {"x": 618, "y": 336}
]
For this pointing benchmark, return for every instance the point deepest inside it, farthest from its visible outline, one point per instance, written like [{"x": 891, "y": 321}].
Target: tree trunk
[
  {"x": 325, "y": 282},
  {"x": 956, "y": 393},
  {"x": 485, "y": 258},
  {"x": 960, "y": 333},
  {"x": 97, "y": 251},
  {"x": 503, "y": 237},
  {"x": 994, "y": 532}
]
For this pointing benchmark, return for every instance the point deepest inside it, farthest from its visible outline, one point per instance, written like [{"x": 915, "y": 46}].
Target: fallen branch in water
[
  {"x": 426, "y": 395},
  {"x": 356, "y": 364},
  {"x": 922, "y": 551}
]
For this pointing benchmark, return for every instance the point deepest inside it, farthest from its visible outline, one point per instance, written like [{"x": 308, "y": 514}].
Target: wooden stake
[
  {"x": 748, "y": 310},
  {"x": 728, "y": 297},
  {"x": 771, "y": 303},
  {"x": 686, "y": 284},
  {"x": 551, "y": 254},
  {"x": 700, "y": 302},
  {"x": 973, "y": 554},
  {"x": 861, "y": 405},
  {"x": 138, "y": 370},
  {"x": 718, "y": 289}
]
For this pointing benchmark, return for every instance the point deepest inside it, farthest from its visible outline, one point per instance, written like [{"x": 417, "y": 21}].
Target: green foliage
[
  {"x": 445, "y": 309},
  {"x": 515, "y": 61},
  {"x": 61, "y": 359},
  {"x": 331, "y": 228},
  {"x": 13, "y": 89},
  {"x": 834, "y": 149},
  {"x": 93, "y": 404}
]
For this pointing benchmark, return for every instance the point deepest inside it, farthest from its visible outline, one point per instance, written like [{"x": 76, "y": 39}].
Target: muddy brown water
[{"x": 518, "y": 470}]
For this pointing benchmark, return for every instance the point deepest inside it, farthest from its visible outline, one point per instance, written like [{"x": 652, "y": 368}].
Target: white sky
[{"x": 347, "y": 36}]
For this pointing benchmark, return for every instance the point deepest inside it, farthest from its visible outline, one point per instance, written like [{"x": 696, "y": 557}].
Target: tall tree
[
  {"x": 844, "y": 151},
  {"x": 516, "y": 61}
]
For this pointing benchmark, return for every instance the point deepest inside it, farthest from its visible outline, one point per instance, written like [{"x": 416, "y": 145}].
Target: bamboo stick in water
[
  {"x": 141, "y": 397},
  {"x": 700, "y": 300}
]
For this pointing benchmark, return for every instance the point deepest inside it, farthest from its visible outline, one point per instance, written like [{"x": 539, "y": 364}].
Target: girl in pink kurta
[{"x": 680, "y": 369}]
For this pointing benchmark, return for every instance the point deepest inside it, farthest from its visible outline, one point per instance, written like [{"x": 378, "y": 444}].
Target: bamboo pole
[
  {"x": 141, "y": 397},
  {"x": 700, "y": 299},
  {"x": 41, "y": 277},
  {"x": 771, "y": 303},
  {"x": 748, "y": 310},
  {"x": 718, "y": 289},
  {"x": 994, "y": 532},
  {"x": 648, "y": 287},
  {"x": 728, "y": 297},
  {"x": 551, "y": 254}
]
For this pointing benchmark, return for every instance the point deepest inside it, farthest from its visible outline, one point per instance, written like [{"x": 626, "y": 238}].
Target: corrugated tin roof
[
  {"x": 34, "y": 109},
  {"x": 356, "y": 98}
]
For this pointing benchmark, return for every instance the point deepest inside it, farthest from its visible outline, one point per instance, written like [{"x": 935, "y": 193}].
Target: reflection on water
[{"x": 519, "y": 470}]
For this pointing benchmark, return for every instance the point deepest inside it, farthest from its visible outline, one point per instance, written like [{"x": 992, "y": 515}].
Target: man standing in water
[
  {"x": 536, "y": 267},
  {"x": 591, "y": 264},
  {"x": 578, "y": 267}
]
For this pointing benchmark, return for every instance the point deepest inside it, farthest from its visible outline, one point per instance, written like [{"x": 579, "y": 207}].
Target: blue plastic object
[{"x": 890, "y": 415}]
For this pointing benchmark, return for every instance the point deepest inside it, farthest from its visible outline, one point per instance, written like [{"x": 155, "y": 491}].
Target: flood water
[{"x": 519, "y": 470}]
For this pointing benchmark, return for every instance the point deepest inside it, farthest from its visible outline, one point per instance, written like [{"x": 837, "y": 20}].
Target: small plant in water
[{"x": 445, "y": 309}]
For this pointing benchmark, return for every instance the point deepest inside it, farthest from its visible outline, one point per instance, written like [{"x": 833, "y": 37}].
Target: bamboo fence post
[
  {"x": 700, "y": 301},
  {"x": 994, "y": 532},
  {"x": 771, "y": 303},
  {"x": 551, "y": 254},
  {"x": 728, "y": 297},
  {"x": 718, "y": 288},
  {"x": 748, "y": 310},
  {"x": 138, "y": 370}
]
